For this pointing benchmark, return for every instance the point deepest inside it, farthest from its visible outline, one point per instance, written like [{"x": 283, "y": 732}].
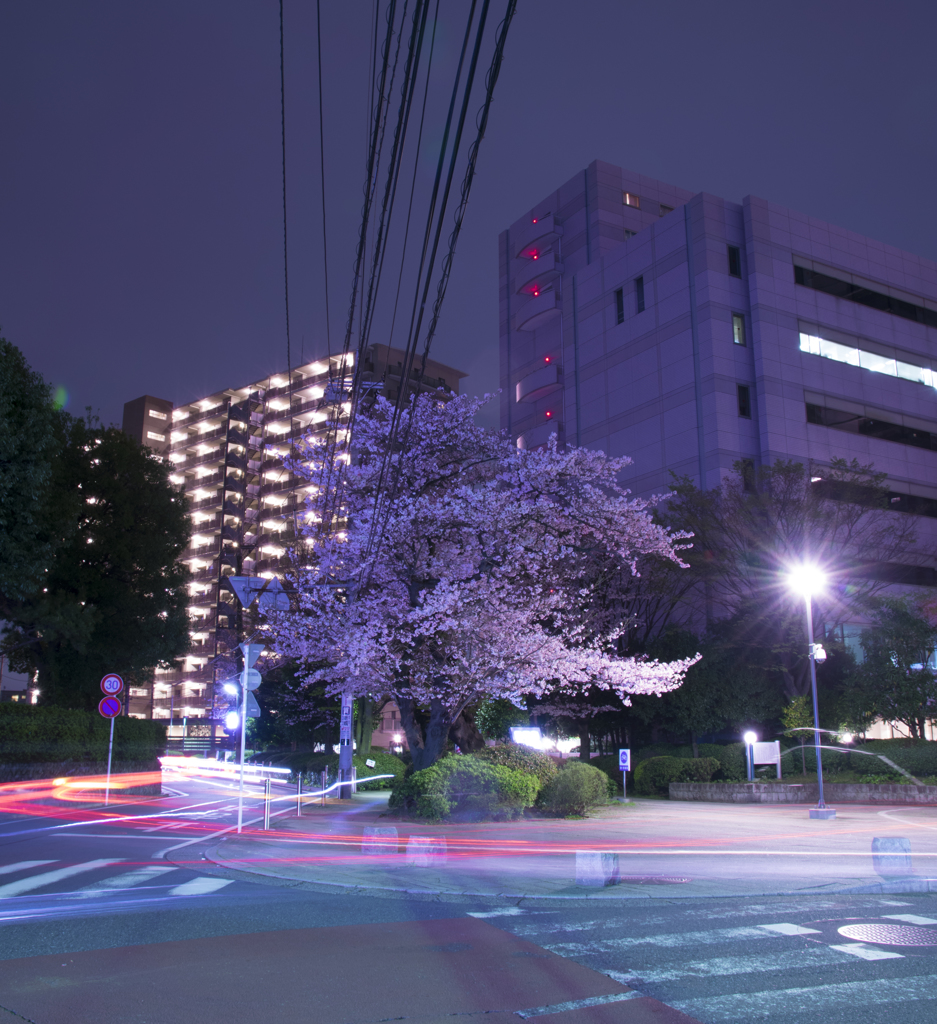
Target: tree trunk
[
  {"x": 425, "y": 749},
  {"x": 364, "y": 726},
  {"x": 584, "y": 739}
]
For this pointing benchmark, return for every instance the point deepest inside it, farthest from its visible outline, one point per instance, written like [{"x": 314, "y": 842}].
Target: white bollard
[
  {"x": 426, "y": 851},
  {"x": 597, "y": 868},
  {"x": 378, "y": 842}
]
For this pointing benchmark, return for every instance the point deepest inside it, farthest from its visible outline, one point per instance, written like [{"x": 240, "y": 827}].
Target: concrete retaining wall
[{"x": 785, "y": 793}]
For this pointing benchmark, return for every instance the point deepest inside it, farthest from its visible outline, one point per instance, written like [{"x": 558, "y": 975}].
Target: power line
[{"x": 325, "y": 244}]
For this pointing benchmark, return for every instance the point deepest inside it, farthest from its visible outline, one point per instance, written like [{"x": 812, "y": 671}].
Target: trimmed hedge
[
  {"x": 653, "y": 777},
  {"x": 576, "y": 787},
  {"x": 307, "y": 763},
  {"x": 920, "y": 759},
  {"x": 520, "y": 759},
  {"x": 462, "y": 786},
  {"x": 31, "y": 733}
]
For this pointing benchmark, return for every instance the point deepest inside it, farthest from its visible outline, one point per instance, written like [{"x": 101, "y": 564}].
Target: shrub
[
  {"x": 608, "y": 763},
  {"x": 576, "y": 787},
  {"x": 463, "y": 786},
  {"x": 384, "y": 763},
  {"x": 731, "y": 758},
  {"x": 32, "y": 733},
  {"x": 520, "y": 759},
  {"x": 653, "y": 777}
]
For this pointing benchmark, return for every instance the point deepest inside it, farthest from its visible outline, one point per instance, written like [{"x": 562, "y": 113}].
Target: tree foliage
[
  {"x": 896, "y": 680},
  {"x": 465, "y": 570},
  {"x": 29, "y": 442},
  {"x": 113, "y": 597}
]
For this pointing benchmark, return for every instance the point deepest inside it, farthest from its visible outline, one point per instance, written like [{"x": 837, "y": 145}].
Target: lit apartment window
[
  {"x": 158, "y": 415},
  {"x": 151, "y": 435},
  {"x": 745, "y": 401},
  {"x": 620, "y": 305},
  {"x": 639, "y": 293},
  {"x": 664, "y": 210},
  {"x": 630, "y": 199},
  {"x": 738, "y": 328},
  {"x": 735, "y": 261}
]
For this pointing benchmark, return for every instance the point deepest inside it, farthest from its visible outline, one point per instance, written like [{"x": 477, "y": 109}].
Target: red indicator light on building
[
  {"x": 549, "y": 414},
  {"x": 536, "y": 292},
  {"x": 546, "y": 359},
  {"x": 535, "y": 220}
]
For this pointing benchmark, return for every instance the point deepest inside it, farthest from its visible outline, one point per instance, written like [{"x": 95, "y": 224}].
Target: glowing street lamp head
[
  {"x": 806, "y": 579},
  {"x": 232, "y": 720},
  {"x": 750, "y": 738}
]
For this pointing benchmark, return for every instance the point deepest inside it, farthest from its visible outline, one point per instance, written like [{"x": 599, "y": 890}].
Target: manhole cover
[{"x": 891, "y": 934}]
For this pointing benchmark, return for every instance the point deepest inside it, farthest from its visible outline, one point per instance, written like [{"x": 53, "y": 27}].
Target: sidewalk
[{"x": 665, "y": 849}]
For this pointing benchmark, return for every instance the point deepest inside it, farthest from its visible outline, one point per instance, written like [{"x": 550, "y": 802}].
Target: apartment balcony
[
  {"x": 193, "y": 439},
  {"x": 193, "y": 461},
  {"x": 208, "y": 414},
  {"x": 537, "y": 311},
  {"x": 542, "y": 382},
  {"x": 534, "y": 274},
  {"x": 536, "y": 235}
]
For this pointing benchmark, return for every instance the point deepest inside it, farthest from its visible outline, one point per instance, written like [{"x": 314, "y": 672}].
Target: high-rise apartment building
[
  {"x": 227, "y": 452},
  {"x": 690, "y": 332}
]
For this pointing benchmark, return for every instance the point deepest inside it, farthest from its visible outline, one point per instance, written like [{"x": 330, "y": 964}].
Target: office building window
[
  {"x": 735, "y": 261},
  {"x": 620, "y": 306},
  {"x": 153, "y": 436},
  {"x": 639, "y": 293},
  {"x": 745, "y": 401},
  {"x": 738, "y": 328},
  {"x": 664, "y": 210},
  {"x": 865, "y": 296},
  {"x": 158, "y": 415},
  {"x": 630, "y": 199}
]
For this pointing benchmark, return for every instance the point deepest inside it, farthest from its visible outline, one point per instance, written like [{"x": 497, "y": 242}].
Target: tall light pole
[{"x": 807, "y": 580}]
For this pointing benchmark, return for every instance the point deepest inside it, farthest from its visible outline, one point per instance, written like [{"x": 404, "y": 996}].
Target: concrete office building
[
  {"x": 690, "y": 332},
  {"x": 227, "y": 454}
]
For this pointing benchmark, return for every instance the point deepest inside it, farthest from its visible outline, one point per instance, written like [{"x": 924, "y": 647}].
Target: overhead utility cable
[{"x": 325, "y": 245}]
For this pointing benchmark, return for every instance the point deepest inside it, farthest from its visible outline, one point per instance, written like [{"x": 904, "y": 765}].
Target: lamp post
[
  {"x": 808, "y": 580},
  {"x": 750, "y": 739}
]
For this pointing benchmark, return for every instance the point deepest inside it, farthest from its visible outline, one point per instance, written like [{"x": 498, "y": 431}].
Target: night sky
[{"x": 141, "y": 235}]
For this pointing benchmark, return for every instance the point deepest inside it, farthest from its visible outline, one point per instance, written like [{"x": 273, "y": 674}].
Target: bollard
[
  {"x": 354, "y": 779},
  {"x": 426, "y": 851},
  {"x": 324, "y": 786},
  {"x": 299, "y": 796},
  {"x": 266, "y": 804},
  {"x": 597, "y": 868},
  {"x": 377, "y": 842},
  {"x": 891, "y": 857}
]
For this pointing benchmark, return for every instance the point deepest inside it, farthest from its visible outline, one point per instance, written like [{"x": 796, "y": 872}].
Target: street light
[
  {"x": 750, "y": 738},
  {"x": 807, "y": 580}
]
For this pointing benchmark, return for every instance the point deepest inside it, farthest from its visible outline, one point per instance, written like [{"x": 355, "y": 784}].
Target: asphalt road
[{"x": 69, "y": 885}]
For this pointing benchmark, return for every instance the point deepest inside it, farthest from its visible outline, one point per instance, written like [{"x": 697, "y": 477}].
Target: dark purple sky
[{"x": 141, "y": 246}]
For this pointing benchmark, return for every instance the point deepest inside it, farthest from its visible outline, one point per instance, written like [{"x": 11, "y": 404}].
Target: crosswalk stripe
[
  {"x": 126, "y": 880},
  {"x": 50, "y": 877},
  {"x": 671, "y": 940},
  {"x": 729, "y": 966},
  {"x": 200, "y": 886},
  {"x": 789, "y": 929},
  {"x": 864, "y": 952},
  {"x": 910, "y": 918},
  {"x": 23, "y": 865},
  {"x": 790, "y": 1002}
]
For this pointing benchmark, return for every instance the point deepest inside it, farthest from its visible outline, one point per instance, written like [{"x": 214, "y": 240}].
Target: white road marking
[
  {"x": 865, "y": 952},
  {"x": 726, "y": 966},
  {"x": 910, "y": 918},
  {"x": 507, "y": 912},
  {"x": 126, "y": 880},
  {"x": 807, "y": 1003},
  {"x": 200, "y": 886},
  {"x": 893, "y": 903},
  {"x": 789, "y": 929},
  {"x": 578, "y": 1004},
  {"x": 23, "y": 865},
  {"x": 50, "y": 877},
  {"x": 670, "y": 940}
]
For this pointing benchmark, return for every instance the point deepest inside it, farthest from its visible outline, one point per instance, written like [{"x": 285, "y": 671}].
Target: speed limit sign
[{"x": 112, "y": 684}]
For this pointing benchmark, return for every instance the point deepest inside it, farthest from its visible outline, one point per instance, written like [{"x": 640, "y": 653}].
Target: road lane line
[
  {"x": 789, "y": 929},
  {"x": 910, "y": 918},
  {"x": 23, "y": 865},
  {"x": 200, "y": 886},
  {"x": 579, "y": 1004},
  {"x": 50, "y": 877},
  {"x": 670, "y": 940}
]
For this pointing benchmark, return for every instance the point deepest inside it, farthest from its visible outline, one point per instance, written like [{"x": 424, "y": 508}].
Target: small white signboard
[{"x": 624, "y": 760}]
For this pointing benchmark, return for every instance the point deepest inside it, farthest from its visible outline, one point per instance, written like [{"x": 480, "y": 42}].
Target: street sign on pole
[
  {"x": 251, "y": 653},
  {"x": 109, "y": 707},
  {"x": 345, "y": 747},
  {"x": 112, "y": 684},
  {"x": 269, "y": 594},
  {"x": 251, "y": 679},
  {"x": 253, "y": 708},
  {"x": 624, "y": 766}
]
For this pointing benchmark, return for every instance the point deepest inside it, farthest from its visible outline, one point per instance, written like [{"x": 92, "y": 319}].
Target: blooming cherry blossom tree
[{"x": 461, "y": 569}]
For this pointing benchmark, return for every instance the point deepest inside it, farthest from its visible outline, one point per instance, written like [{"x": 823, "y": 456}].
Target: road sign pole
[
  {"x": 243, "y": 738},
  {"x": 110, "y": 751}
]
